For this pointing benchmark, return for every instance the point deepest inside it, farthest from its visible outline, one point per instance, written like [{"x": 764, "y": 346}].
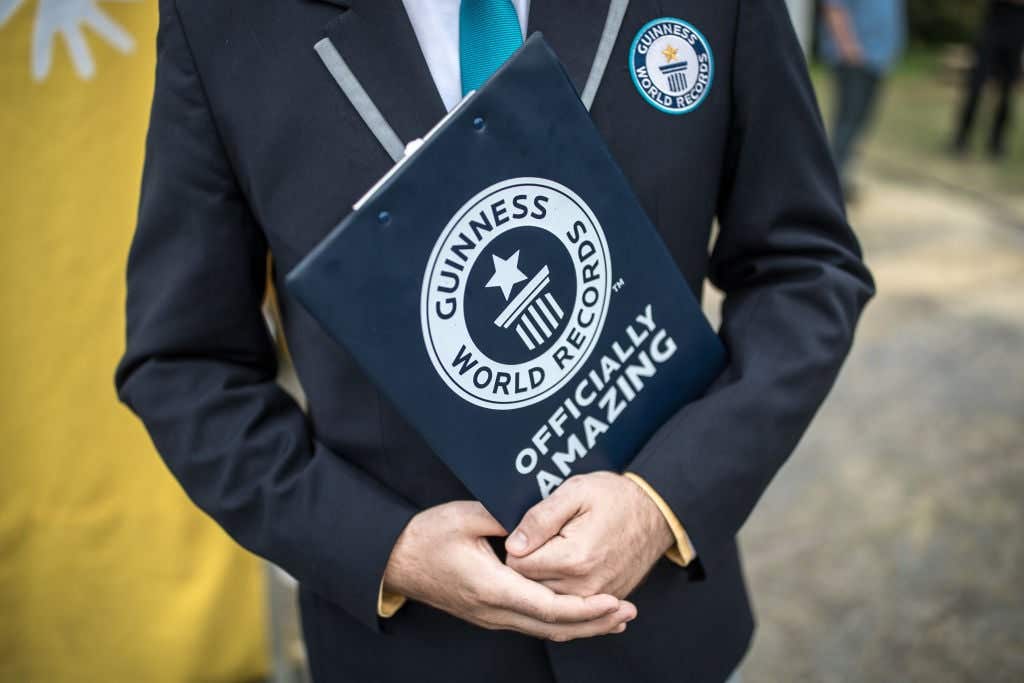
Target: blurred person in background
[
  {"x": 861, "y": 40},
  {"x": 999, "y": 51}
]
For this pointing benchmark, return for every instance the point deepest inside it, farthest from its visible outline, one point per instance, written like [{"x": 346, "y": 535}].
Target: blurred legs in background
[
  {"x": 998, "y": 55},
  {"x": 857, "y": 89}
]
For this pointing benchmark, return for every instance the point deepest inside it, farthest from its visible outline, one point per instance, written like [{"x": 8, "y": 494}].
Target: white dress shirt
[{"x": 436, "y": 23}]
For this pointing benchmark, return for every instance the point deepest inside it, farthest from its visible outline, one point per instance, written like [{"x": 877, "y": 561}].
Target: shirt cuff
[
  {"x": 388, "y": 603},
  {"x": 682, "y": 553}
]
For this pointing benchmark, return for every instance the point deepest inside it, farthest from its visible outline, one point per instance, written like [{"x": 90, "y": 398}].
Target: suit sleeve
[
  {"x": 794, "y": 285},
  {"x": 199, "y": 367}
]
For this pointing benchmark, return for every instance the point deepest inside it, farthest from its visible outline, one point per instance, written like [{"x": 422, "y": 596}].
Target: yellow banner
[{"x": 107, "y": 572}]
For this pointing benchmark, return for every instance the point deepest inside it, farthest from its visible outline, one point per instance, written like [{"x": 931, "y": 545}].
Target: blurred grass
[{"x": 914, "y": 125}]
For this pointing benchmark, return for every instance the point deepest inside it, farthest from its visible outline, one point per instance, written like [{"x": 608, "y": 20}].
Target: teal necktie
[{"x": 488, "y": 34}]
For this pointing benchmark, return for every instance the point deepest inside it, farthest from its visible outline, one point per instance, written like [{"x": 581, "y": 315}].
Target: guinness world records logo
[
  {"x": 515, "y": 293},
  {"x": 672, "y": 65}
]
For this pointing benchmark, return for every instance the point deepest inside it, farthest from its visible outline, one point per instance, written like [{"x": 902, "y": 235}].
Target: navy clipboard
[{"x": 504, "y": 288}]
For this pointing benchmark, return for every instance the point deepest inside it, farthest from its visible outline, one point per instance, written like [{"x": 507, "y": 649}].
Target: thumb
[
  {"x": 542, "y": 522},
  {"x": 477, "y": 520}
]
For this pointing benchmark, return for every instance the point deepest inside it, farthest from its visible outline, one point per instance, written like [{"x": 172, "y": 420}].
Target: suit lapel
[
  {"x": 377, "y": 41},
  {"x": 573, "y": 29}
]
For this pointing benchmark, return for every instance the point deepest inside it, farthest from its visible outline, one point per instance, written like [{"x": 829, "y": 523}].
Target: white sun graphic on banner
[{"x": 68, "y": 19}]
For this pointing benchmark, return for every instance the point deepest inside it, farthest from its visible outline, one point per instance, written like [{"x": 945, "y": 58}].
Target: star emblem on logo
[
  {"x": 671, "y": 54},
  {"x": 506, "y": 274}
]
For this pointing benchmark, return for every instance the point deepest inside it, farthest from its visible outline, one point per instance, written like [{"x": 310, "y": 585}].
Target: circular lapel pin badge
[{"x": 672, "y": 65}]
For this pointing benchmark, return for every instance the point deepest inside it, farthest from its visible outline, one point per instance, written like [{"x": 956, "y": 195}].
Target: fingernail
[{"x": 517, "y": 542}]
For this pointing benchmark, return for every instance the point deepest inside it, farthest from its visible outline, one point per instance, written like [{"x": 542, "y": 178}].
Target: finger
[
  {"x": 567, "y": 586},
  {"x": 544, "y": 520},
  {"x": 100, "y": 21},
  {"x": 7, "y": 8},
  {"x": 613, "y": 622},
  {"x": 42, "y": 50},
  {"x": 478, "y": 521},
  {"x": 81, "y": 56},
  {"x": 510, "y": 591},
  {"x": 556, "y": 559}
]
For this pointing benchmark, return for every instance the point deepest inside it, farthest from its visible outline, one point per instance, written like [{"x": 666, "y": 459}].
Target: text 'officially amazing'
[
  {"x": 599, "y": 399},
  {"x": 514, "y": 302}
]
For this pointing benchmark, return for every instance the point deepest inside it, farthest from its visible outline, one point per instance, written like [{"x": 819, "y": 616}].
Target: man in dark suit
[{"x": 253, "y": 151}]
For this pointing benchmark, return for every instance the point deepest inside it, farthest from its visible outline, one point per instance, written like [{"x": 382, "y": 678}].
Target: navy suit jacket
[{"x": 253, "y": 152}]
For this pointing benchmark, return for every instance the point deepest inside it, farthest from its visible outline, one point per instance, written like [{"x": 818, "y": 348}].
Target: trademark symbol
[{"x": 618, "y": 284}]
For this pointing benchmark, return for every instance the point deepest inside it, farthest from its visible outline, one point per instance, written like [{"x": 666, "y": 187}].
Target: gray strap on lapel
[
  {"x": 616, "y": 12},
  {"x": 350, "y": 85}
]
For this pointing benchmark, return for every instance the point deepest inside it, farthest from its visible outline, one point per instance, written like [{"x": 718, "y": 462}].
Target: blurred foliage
[{"x": 934, "y": 22}]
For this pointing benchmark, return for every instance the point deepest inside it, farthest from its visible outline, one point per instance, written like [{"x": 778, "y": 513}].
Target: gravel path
[{"x": 890, "y": 547}]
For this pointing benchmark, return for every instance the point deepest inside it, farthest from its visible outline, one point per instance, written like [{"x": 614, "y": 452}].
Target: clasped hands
[{"x": 571, "y": 561}]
